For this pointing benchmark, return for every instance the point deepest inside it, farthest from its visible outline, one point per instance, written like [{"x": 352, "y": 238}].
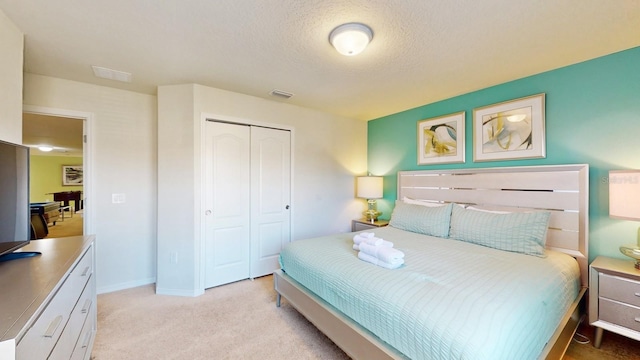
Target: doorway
[{"x": 63, "y": 174}]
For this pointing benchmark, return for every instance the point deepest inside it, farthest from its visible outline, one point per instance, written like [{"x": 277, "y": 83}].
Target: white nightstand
[
  {"x": 614, "y": 298},
  {"x": 364, "y": 224}
]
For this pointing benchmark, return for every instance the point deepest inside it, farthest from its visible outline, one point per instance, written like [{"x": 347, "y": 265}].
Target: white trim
[
  {"x": 199, "y": 187},
  {"x": 126, "y": 285}
]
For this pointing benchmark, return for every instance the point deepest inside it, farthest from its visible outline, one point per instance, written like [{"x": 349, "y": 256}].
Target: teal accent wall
[{"x": 592, "y": 117}]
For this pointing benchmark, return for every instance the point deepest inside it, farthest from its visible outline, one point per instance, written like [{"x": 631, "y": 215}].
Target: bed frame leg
[{"x": 278, "y": 300}]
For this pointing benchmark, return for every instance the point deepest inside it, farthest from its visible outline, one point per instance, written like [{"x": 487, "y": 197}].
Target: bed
[{"x": 453, "y": 298}]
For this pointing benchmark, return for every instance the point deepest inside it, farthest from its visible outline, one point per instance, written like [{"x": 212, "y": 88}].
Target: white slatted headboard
[{"x": 561, "y": 189}]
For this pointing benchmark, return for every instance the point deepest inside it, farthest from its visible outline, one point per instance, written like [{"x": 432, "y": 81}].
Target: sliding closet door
[
  {"x": 227, "y": 203},
  {"x": 270, "y": 197}
]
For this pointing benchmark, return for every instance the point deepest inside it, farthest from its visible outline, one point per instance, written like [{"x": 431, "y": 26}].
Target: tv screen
[{"x": 15, "y": 218}]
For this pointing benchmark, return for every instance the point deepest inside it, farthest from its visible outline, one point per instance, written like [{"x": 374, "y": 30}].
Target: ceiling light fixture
[
  {"x": 350, "y": 39},
  {"x": 45, "y": 148}
]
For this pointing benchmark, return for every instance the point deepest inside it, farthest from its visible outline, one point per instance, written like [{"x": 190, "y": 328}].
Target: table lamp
[
  {"x": 370, "y": 188},
  {"x": 624, "y": 203}
]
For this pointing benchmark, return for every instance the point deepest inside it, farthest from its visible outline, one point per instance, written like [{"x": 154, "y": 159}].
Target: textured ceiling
[{"x": 422, "y": 51}]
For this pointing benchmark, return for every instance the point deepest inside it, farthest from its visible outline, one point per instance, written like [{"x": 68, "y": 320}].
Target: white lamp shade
[
  {"x": 369, "y": 187},
  {"x": 624, "y": 194},
  {"x": 350, "y": 39}
]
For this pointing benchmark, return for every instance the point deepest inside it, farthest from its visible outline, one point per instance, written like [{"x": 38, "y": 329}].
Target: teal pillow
[
  {"x": 434, "y": 221},
  {"x": 522, "y": 232}
]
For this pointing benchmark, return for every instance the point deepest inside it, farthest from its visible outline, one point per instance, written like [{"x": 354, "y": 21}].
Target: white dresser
[{"x": 48, "y": 307}]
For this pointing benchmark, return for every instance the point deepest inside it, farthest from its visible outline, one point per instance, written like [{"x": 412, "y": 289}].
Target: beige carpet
[
  {"x": 234, "y": 321},
  {"x": 240, "y": 321}
]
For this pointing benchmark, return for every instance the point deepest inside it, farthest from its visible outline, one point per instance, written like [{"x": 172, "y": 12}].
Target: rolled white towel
[
  {"x": 375, "y": 261},
  {"x": 386, "y": 243},
  {"x": 358, "y": 239},
  {"x": 386, "y": 254},
  {"x": 374, "y": 242},
  {"x": 366, "y": 234}
]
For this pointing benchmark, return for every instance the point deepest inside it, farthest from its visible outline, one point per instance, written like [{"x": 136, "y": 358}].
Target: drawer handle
[
  {"x": 86, "y": 270},
  {"x": 87, "y": 337},
  {"x": 53, "y": 326},
  {"x": 637, "y": 319},
  {"x": 87, "y": 305},
  {"x": 637, "y": 294}
]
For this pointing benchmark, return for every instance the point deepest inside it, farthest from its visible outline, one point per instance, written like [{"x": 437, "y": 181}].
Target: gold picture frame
[
  {"x": 441, "y": 139},
  {"x": 510, "y": 130}
]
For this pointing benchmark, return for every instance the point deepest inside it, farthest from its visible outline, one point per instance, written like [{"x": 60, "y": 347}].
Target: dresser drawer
[
  {"x": 40, "y": 339},
  {"x": 620, "y": 289},
  {"x": 620, "y": 314},
  {"x": 87, "y": 336},
  {"x": 71, "y": 333}
]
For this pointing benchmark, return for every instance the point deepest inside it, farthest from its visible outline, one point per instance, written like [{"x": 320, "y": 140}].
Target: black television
[{"x": 15, "y": 217}]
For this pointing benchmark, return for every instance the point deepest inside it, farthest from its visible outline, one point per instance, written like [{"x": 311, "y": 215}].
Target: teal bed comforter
[{"x": 450, "y": 299}]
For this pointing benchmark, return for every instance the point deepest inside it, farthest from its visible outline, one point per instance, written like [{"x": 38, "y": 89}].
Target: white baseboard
[{"x": 124, "y": 286}]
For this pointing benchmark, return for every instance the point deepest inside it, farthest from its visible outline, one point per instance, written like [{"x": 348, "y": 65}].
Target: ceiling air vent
[
  {"x": 111, "y": 74},
  {"x": 281, "y": 94}
]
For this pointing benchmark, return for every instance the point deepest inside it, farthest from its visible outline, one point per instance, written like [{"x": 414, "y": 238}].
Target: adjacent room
[
  {"x": 387, "y": 179},
  {"x": 55, "y": 166}
]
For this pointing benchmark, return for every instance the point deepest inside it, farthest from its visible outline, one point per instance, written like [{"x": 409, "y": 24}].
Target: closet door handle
[{"x": 287, "y": 207}]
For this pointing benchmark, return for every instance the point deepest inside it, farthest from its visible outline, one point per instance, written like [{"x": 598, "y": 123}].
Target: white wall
[
  {"x": 124, "y": 162},
  {"x": 11, "y": 55},
  {"x": 328, "y": 152}
]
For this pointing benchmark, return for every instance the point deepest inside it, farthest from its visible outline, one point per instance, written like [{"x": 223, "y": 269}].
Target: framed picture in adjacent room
[
  {"x": 441, "y": 139},
  {"x": 510, "y": 130},
  {"x": 72, "y": 175}
]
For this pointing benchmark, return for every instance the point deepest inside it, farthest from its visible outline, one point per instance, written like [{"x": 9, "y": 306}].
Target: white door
[
  {"x": 247, "y": 200},
  {"x": 270, "y": 197},
  {"x": 227, "y": 203}
]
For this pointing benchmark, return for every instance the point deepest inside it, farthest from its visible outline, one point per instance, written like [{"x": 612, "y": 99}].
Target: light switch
[{"x": 118, "y": 198}]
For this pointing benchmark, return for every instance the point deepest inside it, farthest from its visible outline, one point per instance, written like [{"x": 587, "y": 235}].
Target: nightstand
[
  {"x": 614, "y": 298},
  {"x": 364, "y": 224}
]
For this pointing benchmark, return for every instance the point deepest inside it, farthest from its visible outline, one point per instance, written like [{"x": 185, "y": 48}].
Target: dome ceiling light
[{"x": 350, "y": 39}]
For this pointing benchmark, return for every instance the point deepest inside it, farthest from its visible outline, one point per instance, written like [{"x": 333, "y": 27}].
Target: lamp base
[
  {"x": 632, "y": 251},
  {"x": 371, "y": 215}
]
